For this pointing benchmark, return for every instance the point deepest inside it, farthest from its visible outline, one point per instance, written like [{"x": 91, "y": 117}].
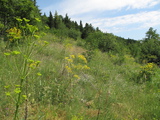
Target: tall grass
[{"x": 106, "y": 91}]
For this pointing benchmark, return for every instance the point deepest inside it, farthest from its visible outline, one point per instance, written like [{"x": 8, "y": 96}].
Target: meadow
[{"x": 56, "y": 79}]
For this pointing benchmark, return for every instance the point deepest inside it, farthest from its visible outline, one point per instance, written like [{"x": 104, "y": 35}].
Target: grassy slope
[{"x": 106, "y": 91}]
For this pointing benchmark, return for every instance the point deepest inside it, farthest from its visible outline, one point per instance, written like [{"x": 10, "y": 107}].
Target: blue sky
[{"x": 125, "y": 18}]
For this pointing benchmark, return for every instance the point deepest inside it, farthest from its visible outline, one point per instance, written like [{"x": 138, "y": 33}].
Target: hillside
[
  {"x": 72, "y": 83},
  {"x": 53, "y": 68}
]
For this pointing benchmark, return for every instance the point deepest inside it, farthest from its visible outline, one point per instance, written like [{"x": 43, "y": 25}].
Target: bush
[
  {"x": 72, "y": 33},
  {"x": 146, "y": 73}
]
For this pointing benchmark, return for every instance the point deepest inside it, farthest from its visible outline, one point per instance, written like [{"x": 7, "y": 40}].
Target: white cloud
[
  {"x": 132, "y": 21},
  {"x": 74, "y": 7}
]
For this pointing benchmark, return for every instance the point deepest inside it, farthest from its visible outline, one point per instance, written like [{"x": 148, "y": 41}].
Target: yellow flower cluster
[
  {"x": 68, "y": 69},
  {"x": 69, "y": 59},
  {"x": 80, "y": 67},
  {"x": 14, "y": 34},
  {"x": 148, "y": 68},
  {"x": 129, "y": 57},
  {"x": 33, "y": 64},
  {"x": 68, "y": 46},
  {"x": 86, "y": 67},
  {"x": 147, "y": 71},
  {"x": 12, "y": 53},
  {"x": 76, "y": 76},
  {"x": 76, "y": 63},
  {"x": 82, "y": 58}
]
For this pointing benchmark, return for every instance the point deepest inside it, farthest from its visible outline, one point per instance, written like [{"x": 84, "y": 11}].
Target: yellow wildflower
[
  {"x": 76, "y": 76},
  {"x": 39, "y": 74},
  {"x": 69, "y": 60},
  {"x": 14, "y": 33},
  {"x": 79, "y": 66},
  {"x": 82, "y": 58},
  {"x": 86, "y": 67},
  {"x": 8, "y": 93},
  {"x": 32, "y": 65},
  {"x": 17, "y": 90},
  {"x": 72, "y": 56},
  {"x": 24, "y": 96},
  {"x": 66, "y": 58},
  {"x": 68, "y": 69}
]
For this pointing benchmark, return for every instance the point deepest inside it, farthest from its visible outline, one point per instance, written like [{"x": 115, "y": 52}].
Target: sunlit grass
[{"x": 106, "y": 91}]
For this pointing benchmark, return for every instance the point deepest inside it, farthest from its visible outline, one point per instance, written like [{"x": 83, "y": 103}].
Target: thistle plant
[{"x": 22, "y": 35}]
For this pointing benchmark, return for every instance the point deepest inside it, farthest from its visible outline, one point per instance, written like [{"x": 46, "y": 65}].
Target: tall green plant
[{"x": 22, "y": 59}]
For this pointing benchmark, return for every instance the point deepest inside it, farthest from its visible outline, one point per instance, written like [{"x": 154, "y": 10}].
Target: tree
[
  {"x": 152, "y": 34},
  {"x": 50, "y": 20},
  {"x": 76, "y": 25},
  {"x": 44, "y": 19},
  {"x": 67, "y": 21},
  {"x": 35, "y": 2},
  {"x": 81, "y": 26},
  {"x": 87, "y": 30},
  {"x": 10, "y": 9},
  {"x": 151, "y": 47},
  {"x": 57, "y": 21}
]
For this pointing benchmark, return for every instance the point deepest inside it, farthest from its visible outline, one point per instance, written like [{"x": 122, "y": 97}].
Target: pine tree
[
  {"x": 87, "y": 30},
  {"x": 50, "y": 20},
  {"x": 81, "y": 26},
  {"x": 56, "y": 20},
  {"x": 76, "y": 25},
  {"x": 67, "y": 21}
]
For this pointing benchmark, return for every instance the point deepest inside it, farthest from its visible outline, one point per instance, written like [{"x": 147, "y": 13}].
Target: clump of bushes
[{"x": 146, "y": 73}]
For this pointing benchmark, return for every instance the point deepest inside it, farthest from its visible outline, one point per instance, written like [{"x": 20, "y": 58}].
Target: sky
[{"x": 124, "y": 18}]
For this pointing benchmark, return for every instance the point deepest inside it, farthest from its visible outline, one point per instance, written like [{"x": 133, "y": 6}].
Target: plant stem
[
  {"x": 26, "y": 105},
  {"x": 18, "y": 101}
]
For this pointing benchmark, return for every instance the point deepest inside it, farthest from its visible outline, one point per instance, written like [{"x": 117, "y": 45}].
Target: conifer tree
[
  {"x": 56, "y": 20},
  {"x": 50, "y": 20},
  {"x": 87, "y": 30},
  {"x": 76, "y": 25},
  {"x": 81, "y": 26},
  {"x": 67, "y": 21}
]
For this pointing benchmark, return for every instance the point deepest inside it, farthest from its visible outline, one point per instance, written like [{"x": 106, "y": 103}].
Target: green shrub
[{"x": 146, "y": 73}]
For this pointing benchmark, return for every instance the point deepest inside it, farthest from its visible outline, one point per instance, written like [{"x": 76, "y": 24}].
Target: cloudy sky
[{"x": 125, "y": 18}]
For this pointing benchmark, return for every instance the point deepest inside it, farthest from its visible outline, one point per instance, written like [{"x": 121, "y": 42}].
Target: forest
[{"x": 53, "y": 68}]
